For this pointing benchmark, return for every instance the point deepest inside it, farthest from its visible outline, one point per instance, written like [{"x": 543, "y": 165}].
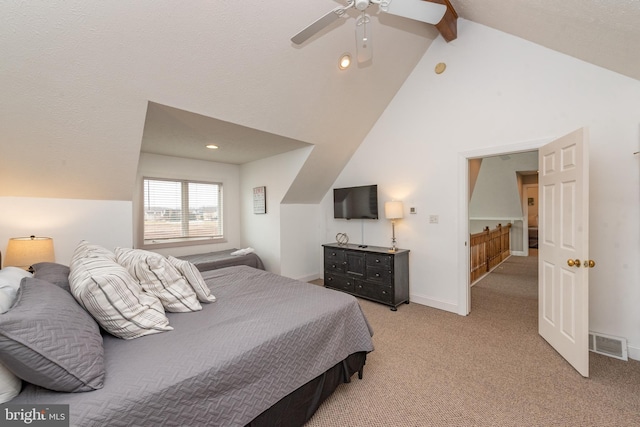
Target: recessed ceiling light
[
  {"x": 345, "y": 61},
  {"x": 212, "y": 146}
]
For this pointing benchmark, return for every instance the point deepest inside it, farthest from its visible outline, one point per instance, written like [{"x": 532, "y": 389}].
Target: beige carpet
[{"x": 491, "y": 368}]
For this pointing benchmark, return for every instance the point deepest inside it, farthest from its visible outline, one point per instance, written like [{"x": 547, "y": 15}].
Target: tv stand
[{"x": 370, "y": 272}]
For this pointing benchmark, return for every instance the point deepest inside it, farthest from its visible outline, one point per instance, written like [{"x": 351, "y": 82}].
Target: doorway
[
  {"x": 563, "y": 318},
  {"x": 530, "y": 204},
  {"x": 465, "y": 159},
  {"x": 502, "y": 211}
]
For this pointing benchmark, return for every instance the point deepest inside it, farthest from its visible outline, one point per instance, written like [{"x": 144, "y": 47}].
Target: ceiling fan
[{"x": 419, "y": 10}]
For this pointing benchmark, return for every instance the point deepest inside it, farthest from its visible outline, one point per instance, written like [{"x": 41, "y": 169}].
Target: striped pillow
[
  {"x": 159, "y": 278},
  {"x": 86, "y": 249},
  {"x": 194, "y": 278},
  {"x": 115, "y": 299}
]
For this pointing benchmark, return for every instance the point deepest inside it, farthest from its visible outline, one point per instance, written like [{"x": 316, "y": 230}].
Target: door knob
[
  {"x": 589, "y": 264},
  {"x": 571, "y": 262}
]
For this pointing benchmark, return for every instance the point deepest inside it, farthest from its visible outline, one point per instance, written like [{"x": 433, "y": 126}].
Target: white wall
[
  {"x": 497, "y": 193},
  {"x": 67, "y": 221},
  {"x": 158, "y": 166},
  {"x": 497, "y": 92},
  {"x": 532, "y": 209},
  {"x": 300, "y": 240},
  {"x": 263, "y": 231}
]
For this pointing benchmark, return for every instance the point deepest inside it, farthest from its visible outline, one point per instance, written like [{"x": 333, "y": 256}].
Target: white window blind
[{"x": 177, "y": 210}]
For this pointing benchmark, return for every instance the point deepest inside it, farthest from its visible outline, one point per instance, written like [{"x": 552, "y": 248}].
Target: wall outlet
[{"x": 433, "y": 219}]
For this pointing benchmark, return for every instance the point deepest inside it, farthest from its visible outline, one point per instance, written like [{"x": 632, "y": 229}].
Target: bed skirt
[{"x": 299, "y": 406}]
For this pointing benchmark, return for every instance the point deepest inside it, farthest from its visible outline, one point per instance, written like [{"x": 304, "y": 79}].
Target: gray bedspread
[
  {"x": 220, "y": 259},
  {"x": 264, "y": 337}
]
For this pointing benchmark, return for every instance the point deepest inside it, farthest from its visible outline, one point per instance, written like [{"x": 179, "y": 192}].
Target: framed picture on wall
[{"x": 260, "y": 200}]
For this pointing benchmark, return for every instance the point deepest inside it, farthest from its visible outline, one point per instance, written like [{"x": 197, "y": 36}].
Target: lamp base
[{"x": 393, "y": 236}]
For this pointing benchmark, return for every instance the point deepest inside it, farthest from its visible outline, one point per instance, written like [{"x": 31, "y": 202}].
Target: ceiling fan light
[
  {"x": 345, "y": 61},
  {"x": 361, "y": 4}
]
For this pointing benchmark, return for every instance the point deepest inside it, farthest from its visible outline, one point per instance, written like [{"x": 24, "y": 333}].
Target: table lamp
[
  {"x": 23, "y": 252},
  {"x": 393, "y": 211}
]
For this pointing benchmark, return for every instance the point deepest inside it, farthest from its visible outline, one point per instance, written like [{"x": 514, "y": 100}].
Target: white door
[{"x": 563, "y": 239}]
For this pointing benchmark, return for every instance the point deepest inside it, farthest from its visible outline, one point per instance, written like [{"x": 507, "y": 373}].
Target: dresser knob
[
  {"x": 377, "y": 274},
  {"x": 377, "y": 260}
]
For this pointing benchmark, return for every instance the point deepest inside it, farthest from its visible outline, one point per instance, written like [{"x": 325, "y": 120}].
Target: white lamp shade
[
  {"x": 393, "y": 210},
  {"x": 23, "y": 252}
]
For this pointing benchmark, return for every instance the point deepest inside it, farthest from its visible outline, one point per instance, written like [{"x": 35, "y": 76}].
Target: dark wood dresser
[{"x": 371, "y": 272}]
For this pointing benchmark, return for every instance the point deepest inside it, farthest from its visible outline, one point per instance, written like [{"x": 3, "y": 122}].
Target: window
[{"x": 181, "y": 211}]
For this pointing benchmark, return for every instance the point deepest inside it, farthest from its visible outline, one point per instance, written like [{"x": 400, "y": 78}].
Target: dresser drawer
[
  {"x": 374, "y": 291},
  {"x": 334, "y": 260},
  {"x": 334, "y": 266},
  {"x": 339, "y": 282},
  {"x": 334, "y": 254},
  {"x": 379, "y": 274},
  {"x": 379, "y": 260}
]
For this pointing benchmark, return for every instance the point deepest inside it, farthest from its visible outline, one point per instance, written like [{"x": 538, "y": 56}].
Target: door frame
[
  {"x": 525, "y": 226},
  {"x": 464, "y": 290}
]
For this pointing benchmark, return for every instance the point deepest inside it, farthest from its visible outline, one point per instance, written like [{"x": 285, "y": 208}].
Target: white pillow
[
  {"x": 87, "y": 249},
  {"x": 10, "y": 385},
  {"x": 193, "y": 277},
  {"x": 159, "y": 278},
  {"x": 112, "y": 296},
  {"x": 10, "y": 278}
]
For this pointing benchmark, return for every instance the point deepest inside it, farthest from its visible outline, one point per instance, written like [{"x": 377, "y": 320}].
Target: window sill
[{"x": 178, "y": 243}]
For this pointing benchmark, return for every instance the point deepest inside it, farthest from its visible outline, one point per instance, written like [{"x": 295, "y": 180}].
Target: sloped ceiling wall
[
  {"x": 77, "y": 77},
  {"x": 496, "y": 193}
]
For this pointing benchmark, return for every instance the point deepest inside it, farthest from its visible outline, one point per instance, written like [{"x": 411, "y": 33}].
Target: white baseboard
[
  {"x": 308, "y": 278},
  {"x": 430, "y": 302},
  {"x": 633, "y": 352}
]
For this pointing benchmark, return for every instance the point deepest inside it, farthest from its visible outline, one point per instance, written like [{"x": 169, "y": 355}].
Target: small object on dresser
[{"x": 342, "y": 239}]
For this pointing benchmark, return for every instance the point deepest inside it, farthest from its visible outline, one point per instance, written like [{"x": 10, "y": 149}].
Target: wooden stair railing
[{"x": 488, "y": 249}]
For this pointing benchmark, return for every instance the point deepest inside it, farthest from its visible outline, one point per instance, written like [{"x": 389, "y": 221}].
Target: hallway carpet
[{"x": 491, "y": 368}]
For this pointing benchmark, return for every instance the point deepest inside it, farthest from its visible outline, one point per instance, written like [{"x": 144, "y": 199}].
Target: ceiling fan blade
[
  {"x": 419, "y": 10},
  {"x": 318, "y": 25}
]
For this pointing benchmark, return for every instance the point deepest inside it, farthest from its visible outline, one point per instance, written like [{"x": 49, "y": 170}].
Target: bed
[
  {"x": 219, "y": 259},
  {"x": 268, "y": 351}
]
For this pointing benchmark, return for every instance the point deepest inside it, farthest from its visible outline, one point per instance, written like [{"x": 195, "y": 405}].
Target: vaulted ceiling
[{"x": 85, "y": 84}]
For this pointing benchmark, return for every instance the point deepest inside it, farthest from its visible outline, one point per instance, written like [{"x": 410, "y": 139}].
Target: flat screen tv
[{"x": 356, "y": 202}]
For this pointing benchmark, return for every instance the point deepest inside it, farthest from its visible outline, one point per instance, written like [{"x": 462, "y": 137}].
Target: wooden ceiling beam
[{"x": 448, "y": 25}]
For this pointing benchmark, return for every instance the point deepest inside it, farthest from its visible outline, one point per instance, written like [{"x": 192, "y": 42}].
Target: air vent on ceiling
[{"x": 608, "y": 345}]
